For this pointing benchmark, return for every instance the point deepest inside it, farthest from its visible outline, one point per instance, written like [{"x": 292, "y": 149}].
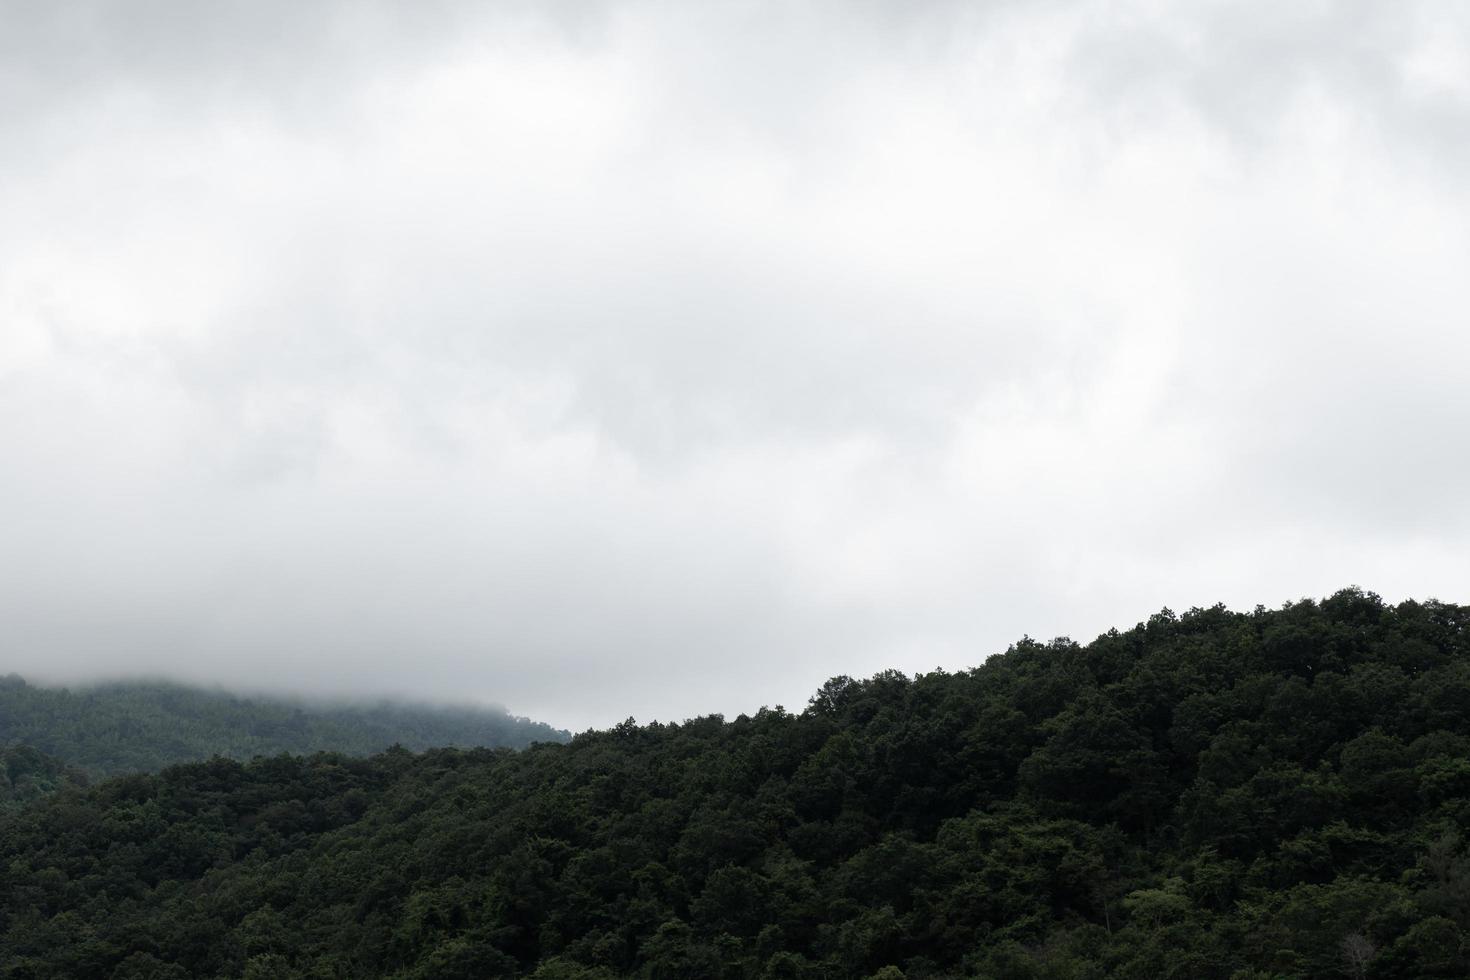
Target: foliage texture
[{"x": 1217, "y": 794}]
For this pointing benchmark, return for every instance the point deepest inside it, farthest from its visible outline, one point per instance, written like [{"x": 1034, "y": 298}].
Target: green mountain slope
[
  {"x": 143, "y": 726},
  {"x": 1276, "y": 794}
]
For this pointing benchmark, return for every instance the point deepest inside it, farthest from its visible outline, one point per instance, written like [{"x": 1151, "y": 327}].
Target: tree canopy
[{"x": 1270, "y": 794}]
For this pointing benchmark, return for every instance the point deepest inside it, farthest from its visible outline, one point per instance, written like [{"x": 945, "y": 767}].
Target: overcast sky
[{"x": 654, "y": 359}]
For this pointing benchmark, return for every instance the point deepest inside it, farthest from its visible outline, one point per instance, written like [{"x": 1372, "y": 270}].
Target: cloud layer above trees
[{"x": 655, "y": 359}]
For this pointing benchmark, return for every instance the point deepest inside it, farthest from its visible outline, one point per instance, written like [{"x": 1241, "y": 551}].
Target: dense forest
[
  {"x": 26, "y": 774},
  {"x": 1271, "y": 794},
  {"x": 119, "y": 728}
]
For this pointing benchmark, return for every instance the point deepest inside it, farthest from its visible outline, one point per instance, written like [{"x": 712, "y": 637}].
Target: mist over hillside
[
  {"x": 139, "y": 726},
  {"x": 621, "y": 360},
  {"x": 1211, "y": 795},
  {"x": 693, "y": 351}
]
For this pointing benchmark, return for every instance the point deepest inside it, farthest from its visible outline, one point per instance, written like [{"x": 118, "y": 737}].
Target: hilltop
[
  {"x": 143, "y": 726},
  {"x": 1233, "y": 795}
]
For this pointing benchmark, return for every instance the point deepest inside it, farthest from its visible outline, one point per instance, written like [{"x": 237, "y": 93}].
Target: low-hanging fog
[{"x": 623, "y": 358}]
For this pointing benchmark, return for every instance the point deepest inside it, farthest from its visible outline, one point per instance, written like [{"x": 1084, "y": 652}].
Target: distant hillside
[
  {"x": 145, "y": 726},
  {"x": 1270, "y": 795}
]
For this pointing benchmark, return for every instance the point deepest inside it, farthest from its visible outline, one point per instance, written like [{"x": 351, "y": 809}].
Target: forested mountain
[
  {"x": 1274, "y": 794},
  {"x": 114, "y": 729}
]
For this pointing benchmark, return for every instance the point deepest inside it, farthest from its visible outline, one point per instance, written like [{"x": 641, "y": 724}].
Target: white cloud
[{"x": 652, "y": 359}]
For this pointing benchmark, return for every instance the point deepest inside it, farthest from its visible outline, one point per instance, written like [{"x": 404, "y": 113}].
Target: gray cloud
[{"x": 638, "y": 358}]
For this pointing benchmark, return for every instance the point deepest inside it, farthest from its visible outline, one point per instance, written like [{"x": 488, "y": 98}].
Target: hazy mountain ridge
[
  {"x": 141, "y": 726},
  {"x": 1274, "y": 794}
]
